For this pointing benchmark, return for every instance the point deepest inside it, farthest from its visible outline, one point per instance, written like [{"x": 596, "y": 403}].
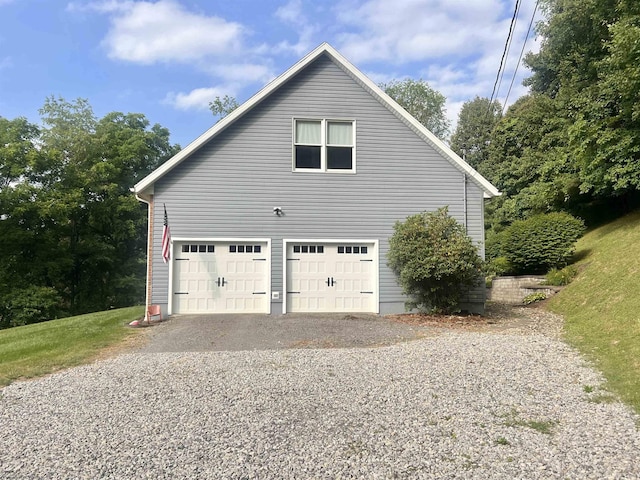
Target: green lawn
[
  {"x": 43, "y": 348},
  {"x": 601, "y": 306}
]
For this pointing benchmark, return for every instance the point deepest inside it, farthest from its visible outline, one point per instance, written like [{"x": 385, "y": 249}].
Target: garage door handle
[
  {"x": 330, "y": 281},
  {"x": 221, "y": 282}
]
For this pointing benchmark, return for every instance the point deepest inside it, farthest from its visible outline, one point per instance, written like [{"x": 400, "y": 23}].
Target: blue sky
[{"x": 167, "y": 59}]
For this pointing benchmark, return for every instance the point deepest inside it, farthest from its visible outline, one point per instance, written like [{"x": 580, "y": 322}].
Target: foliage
[
  {"x": 72, "y": 235},
  {"x": 423, "y": 102},
  {"x": 493, "y": 244},
  {"x": 30, "y": 305},
  {"x": 472, "y": 137},
  {"x": 573, "y": 141},
  {"x": 541, "y": 242},
  {"x": 498, "y": 266},
  {"x": 561, "y": 277},
  {"x": 434, "y": 259},
  {"x": 601, "y": 305},
  {"x": 35, "y": 350},
  {"x": 534, "y": 297},
  {"x": 221, "y": 107},
  {"x": 527, "y": 161}
]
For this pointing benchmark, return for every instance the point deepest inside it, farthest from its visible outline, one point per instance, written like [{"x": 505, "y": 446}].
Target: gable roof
[{"x": 324, "y": 49}]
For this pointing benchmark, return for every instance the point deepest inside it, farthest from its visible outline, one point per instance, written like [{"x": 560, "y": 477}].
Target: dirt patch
[
  {"x": 131, "y": 342},
  {"x": 498, "y": 318}
]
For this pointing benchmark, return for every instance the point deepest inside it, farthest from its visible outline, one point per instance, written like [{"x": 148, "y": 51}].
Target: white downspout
[
  {"x": 147, "y": 301},
  {"x": 464, "y": 199}
]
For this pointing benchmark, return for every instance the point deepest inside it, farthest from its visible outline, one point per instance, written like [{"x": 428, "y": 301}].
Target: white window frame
[{"x": 324, "y": 133}]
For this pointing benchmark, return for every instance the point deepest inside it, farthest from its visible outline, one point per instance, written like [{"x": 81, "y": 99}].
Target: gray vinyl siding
[{"x": 228, "y": 188}]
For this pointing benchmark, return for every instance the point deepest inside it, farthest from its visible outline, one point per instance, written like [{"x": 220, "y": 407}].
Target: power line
[
  {"x": 509, "y": 42},
  {"x": 524, "y": 44},
  {"x": 504, "y": 53}
]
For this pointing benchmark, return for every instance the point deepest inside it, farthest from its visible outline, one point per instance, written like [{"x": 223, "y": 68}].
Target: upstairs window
[{"x": 324, "y": 145}]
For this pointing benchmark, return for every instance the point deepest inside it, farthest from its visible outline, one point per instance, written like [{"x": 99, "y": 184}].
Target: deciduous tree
[
  {"x": 472, "y": 137},
  {"x": 223, "y": 106},
  {"x": 423, "y": 102},
  {"x": 72, "y": 232}
]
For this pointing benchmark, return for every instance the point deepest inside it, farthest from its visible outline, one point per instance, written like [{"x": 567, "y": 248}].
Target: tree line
[
  {"x": 573, "y": 143},
  {"x": 72, "y": 235}
]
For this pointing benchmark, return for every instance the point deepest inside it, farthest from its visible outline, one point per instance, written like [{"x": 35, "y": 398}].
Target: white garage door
[
  {"x": 220, "y": 277},
  {"x": 328, "y": 277}
]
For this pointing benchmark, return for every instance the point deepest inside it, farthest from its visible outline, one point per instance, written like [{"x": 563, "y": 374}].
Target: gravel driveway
[{"x": 461, "y": 403}]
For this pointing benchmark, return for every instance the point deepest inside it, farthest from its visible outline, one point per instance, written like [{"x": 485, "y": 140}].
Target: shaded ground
[{"x": 194, "y": 333}]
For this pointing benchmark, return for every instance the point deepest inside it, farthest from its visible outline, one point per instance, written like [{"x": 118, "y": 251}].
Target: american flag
[{"x": 166, "y": 238}]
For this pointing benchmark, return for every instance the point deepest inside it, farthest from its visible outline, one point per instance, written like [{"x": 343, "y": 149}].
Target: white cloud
[
  {"x": 293, "y": 14},
  {"x": 243, "y": 73},
  {"x": 460, "y": 43},
  {"x": 197, "y": 99},
  {"x": 410, "y": 30},
  {"x": 146, "y": 32},
  {"x": 165, "y": 31},
  {"x": 380, "y": 77}
]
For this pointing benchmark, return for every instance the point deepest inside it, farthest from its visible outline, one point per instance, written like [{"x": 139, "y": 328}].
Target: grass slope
[
  {"x": 43, "y": 348},
  {"x": 601, "y": 306}
]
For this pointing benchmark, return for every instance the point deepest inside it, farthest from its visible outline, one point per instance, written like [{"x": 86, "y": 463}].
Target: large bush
[
  {"x": 434, "y": 259},
  {"x": 541, "y": 242}
]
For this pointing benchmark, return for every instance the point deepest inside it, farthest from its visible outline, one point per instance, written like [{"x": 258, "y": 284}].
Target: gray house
[{"x": 287, "y": 204}]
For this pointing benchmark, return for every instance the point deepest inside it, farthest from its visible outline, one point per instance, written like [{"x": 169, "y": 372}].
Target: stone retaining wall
[{"x": 512, "y": 290}]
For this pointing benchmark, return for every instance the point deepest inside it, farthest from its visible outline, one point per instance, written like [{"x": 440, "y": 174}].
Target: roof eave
[{"x": 488, "y": 189}]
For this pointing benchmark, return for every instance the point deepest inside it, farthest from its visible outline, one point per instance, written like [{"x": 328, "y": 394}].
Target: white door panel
[
  {"x": 221, "y": 277},
  {"x": 327, "y": 277}
]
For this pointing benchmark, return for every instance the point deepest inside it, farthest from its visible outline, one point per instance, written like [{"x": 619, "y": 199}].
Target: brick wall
[{"x": 513, "y": 289}]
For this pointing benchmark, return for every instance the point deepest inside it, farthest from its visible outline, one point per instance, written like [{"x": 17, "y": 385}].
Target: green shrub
[
  {"x": 434, "y": 260},
  {"x": 498, "y": 266},
  {"x": 534, "y": 297},
  {"x": 493, "y": 245},
  {"x": 561, "y": 277},
  {"x": 541, "y": 242}
]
